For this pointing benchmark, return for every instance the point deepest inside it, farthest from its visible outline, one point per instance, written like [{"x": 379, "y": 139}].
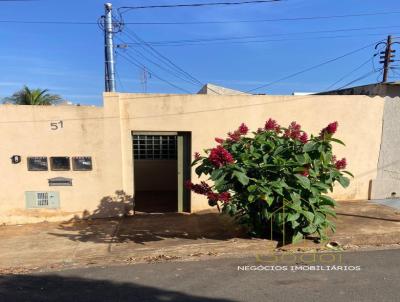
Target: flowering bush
[{"x": 275, "y": 180}]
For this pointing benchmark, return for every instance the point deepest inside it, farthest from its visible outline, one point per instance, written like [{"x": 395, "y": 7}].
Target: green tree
[{"x": 27, "y": 96}]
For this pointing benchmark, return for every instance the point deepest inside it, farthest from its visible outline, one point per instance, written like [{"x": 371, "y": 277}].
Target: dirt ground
[{"x": 175, "y": 237}]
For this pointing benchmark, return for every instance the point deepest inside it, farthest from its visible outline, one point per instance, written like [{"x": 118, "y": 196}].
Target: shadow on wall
[{"x": 57, "y": 288}]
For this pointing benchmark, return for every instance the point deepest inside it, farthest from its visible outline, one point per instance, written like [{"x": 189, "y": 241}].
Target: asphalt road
[{"x": 369, "y": 276}]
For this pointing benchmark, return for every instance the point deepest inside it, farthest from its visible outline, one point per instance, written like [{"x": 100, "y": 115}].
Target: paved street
[{"x": 220, "y": 280}]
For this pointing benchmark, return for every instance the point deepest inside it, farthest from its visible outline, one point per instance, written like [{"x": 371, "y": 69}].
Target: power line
[
  {"x": 56, "y": 22},
  {"x": 268, "y": 35},
  {"x": 124, "y": 9},
  {"x": 360, "y": 78},
  {"x": 311, "y": 68},
  {"x": 265, "y": 40},
  {"x": 168, "y": 61},
  {"x": 135, "y": 62},
  {"x": 265, "y": 20},
  {"x": 173, "y": 72},
  {"x": 351, "y": 72}
]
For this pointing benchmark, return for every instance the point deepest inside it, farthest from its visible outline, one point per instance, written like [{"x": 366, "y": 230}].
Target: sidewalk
[{"x": 161, "y": 237}]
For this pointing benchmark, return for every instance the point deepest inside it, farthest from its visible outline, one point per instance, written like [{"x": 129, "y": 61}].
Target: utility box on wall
[{"x": 42, "y": 200}]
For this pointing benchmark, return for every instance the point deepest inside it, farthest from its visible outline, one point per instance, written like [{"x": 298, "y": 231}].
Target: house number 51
[{"x": 56, "y": 125}]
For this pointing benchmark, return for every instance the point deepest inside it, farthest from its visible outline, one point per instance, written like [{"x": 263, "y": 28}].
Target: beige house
[{"x": 58, "y": 162}]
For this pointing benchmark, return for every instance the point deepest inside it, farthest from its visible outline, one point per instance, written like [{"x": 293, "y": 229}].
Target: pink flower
[
  {"x": 272, "y": 125},
  {"x": 330, "y": 129},
  {"x": 341, "y": 164},
  {"x": 219, "y": 157},
  {"x": 203, "y": 188},
  {"x": 293, "y": 131},
  {"x": 305, "y": 173},
  {"x": 234, "y": 136},
  {"x": 219, "y": 140},
  {"x": 212, "y": 196},
  {"x": 243, "y": 129},
  {"x": 197, "y": 155},
  {"x": 224, "y": 197},
  {"x": 303, "y": 138}
]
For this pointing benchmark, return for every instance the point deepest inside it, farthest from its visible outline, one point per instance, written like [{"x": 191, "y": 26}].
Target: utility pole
[
  {"x": 386, "y": 57},
  {"x": 109, "y": 49}
]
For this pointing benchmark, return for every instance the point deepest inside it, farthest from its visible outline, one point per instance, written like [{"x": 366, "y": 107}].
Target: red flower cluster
[
  {"x": 219, "y": 157},
  {"x": 219, "y": 140},
  {"x": 235, "y": 135},
  {"x": 196, "y": 155},
  {"x": 341, "y": 164},
  {"x": 330, "y": 129},
  {"x": 272, "y": 125},
  {"x": 243, "y": 129},
  {"x": 293, "y": 131},
  {"x": 204, "y": 189},
  {"x": 303, "y": 138},
  {"x": 224, "y": 197}
]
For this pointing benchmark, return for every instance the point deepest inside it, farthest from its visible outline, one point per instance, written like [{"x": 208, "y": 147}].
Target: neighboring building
[
  {"x": 57, "y": 162},
  {"x": 219, "y": 90},
  {"x": 390, "y": 89}
]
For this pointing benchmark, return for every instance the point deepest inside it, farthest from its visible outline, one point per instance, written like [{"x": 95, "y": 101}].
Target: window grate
[
  {"x": 155, "y": 147},
  {"x": 42, "y": 199}
]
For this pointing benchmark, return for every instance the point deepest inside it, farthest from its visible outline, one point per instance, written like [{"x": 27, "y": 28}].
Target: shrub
[{"x": 275, "y": 180}]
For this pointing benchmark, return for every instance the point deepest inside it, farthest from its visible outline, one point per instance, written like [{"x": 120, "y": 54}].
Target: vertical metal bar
[
  {"x": 109, "y": 49},
  {"x": 180, "y": 172}
]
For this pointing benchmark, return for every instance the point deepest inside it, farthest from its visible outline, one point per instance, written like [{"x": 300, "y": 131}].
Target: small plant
[{"x": 275, "y": 180}]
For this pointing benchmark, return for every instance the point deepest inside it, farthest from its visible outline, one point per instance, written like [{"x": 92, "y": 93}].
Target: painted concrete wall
[
  {"x": 26, "y": 131},
  {"x": 387, "y": 181},
  {"x": 208, "y": 116},
  {"x": 105, "y": 134}
]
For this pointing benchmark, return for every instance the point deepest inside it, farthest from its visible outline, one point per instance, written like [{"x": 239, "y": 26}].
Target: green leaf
[
  {"x": 309, "y": 229},
  {"x": 326, "y": 200},
  {"x": 344, "y": 181},
  {"x": 252, "y": 188},
  {"x": 321, "y": 185},
  {"x": 348, "y": 173},
  {"x": 268, "y": 199},
  {"x": 295, "y": 197},
  {"x": 327, "y": 211},
  {"x": 308, "y": 215},
  {"x": 293, "y": 216},
  {"x": 297, "y": 236},
  {"x": 278, "y": 150},
  {"x": 241, "y": 177},
  {"x": 217, "y": 173},
  {"x": 310, "y": 146},
  {"x": 337, "y": 141},
  {"x": 303, "y": 181},
  {"x": 319, "y": 218}
]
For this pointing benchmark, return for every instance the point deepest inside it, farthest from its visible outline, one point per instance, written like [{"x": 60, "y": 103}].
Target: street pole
[
  {"x": 109, "y": 49},
  {"x": 387, "y": 58}
]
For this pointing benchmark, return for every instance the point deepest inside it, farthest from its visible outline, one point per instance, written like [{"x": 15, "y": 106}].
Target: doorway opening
[{"x": 161, "y": 163}]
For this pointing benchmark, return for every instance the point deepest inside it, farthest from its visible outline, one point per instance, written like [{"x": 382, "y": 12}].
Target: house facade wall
[
  {"x": 387, "y": 182},
  {"x": 104, "y": 133}
]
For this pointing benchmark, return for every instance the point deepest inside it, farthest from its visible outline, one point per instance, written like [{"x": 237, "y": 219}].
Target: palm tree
[{"x": 27, "y": 96}]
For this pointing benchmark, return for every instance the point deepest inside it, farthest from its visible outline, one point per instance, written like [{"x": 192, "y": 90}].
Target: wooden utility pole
[{"x": 386, "y": 58}]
